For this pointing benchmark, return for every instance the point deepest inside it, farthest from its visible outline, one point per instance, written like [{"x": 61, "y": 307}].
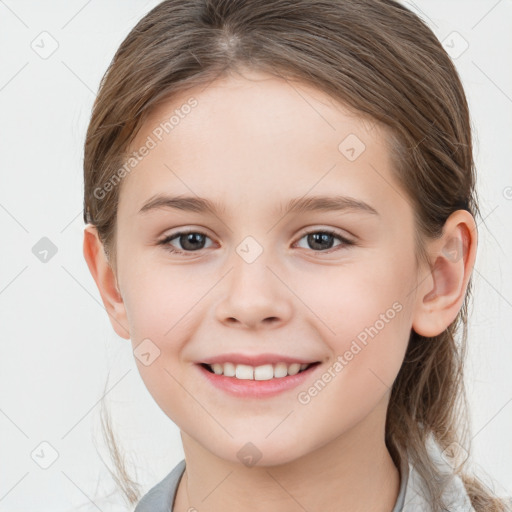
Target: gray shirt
[{"x": 411, "y": 497}]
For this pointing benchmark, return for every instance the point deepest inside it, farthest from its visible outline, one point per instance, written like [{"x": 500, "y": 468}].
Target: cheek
[
  {"x": 162, "y": 307},
  {"x": 365, "y": 314},
  {"x": 159, "y": 316},
  {"x": 366, "y": 326},
  {"x": 160, "y": 300}
]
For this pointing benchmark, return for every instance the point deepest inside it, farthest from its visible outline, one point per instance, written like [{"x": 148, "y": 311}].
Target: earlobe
[
  {"x": 105, "y": 280},
  {"x": 441, "y": 294}
]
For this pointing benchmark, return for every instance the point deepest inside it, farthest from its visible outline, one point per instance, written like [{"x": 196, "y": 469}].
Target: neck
[{"x": 353, "y": 471}]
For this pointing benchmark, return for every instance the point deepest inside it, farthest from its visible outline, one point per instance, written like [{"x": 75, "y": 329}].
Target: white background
[{"x": 57, "y": 344}]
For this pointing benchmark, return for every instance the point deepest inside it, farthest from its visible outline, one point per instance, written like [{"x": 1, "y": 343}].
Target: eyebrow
[{"x": 298, "y": 205}]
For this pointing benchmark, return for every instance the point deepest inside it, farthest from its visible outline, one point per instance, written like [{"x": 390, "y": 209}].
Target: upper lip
[{"x": 256, "y": 360}]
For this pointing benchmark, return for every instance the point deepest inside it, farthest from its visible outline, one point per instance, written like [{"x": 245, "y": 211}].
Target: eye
[
  {"x": 190, "y": 241},
  {"x": 193, "y": 241},
  {"x": 323, "y": 239}
]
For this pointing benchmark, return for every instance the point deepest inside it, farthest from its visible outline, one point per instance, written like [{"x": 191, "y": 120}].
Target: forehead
[
  {"x": 257, "y": 103},
  {"x": 253, "y": 137}
]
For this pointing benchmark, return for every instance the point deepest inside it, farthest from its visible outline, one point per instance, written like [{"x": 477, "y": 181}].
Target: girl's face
[{"x": 258, "y": 280}]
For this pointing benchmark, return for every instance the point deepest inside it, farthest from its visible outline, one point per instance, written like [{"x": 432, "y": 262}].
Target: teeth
[{"x": 264, "y": 372}]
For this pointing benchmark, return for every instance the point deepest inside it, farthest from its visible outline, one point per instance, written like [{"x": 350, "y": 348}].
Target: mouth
[
  {"x": 265, "y": 381},
  {"x": 262, "y": 372}
]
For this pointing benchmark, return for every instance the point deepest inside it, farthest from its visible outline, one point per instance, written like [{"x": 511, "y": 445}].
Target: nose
[{"x": 254, "y": 297}]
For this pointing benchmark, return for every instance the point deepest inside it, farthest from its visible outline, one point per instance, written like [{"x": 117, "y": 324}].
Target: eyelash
[{"x": 345, "y": 242}]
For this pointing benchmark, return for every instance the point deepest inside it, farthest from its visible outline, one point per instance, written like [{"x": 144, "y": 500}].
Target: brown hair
[{"x": 376, "y": 57}]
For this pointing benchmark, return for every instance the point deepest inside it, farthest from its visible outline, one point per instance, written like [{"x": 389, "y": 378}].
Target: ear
[
  {"x": 441, "y": 292},
  {"x": 106, "y": 281}
]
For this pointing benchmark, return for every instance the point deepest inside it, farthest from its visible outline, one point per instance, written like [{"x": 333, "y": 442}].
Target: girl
[{"x": 281, "y": 217}]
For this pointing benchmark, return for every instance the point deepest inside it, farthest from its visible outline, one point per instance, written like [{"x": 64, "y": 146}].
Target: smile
[{"x": 242, "y": 380}]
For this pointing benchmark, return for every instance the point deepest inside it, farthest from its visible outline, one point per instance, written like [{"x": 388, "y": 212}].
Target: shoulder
[
  {"x": 454, "y": 492},
  {"x": 161, "y": 496}
]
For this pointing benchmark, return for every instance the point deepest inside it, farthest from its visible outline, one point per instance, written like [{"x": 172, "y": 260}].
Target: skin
[{"x": 252, "y": 142}]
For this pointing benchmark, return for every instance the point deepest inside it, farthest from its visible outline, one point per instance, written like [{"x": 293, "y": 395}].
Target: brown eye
[
  {"x": 189, "y": 241},
  {"x": 320, "y": 241}
]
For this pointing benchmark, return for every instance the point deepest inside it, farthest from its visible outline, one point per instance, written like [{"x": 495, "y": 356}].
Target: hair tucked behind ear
[{"x": 382, "y": 61}]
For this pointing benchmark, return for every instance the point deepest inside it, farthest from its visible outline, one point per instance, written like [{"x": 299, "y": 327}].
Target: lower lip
[{"x": 245, "y": 388}]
